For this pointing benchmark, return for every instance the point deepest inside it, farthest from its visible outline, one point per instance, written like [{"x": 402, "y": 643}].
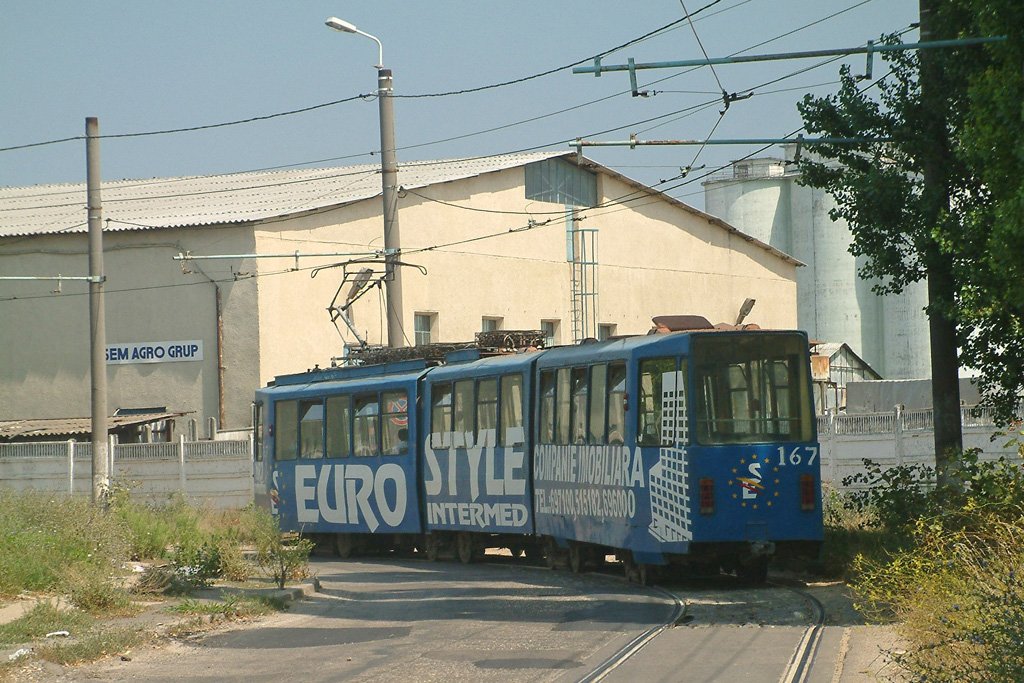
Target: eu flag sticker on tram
[{"x": 749, "y": 480}]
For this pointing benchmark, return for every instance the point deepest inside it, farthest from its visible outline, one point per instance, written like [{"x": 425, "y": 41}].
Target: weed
[
  {"x": 959, "y": 600},
  {"x": 233, "y": 607},
  {"x": 280, "y": 558},
  {"x": 93, "y": 589},
  {"x": 44, "y": 618},
  {"x": 41, "y": 535},
  {"x": 91, "y": 647}
]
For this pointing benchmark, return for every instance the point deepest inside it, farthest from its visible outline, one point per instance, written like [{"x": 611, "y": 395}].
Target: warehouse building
[{"x": 216, "y": 284}]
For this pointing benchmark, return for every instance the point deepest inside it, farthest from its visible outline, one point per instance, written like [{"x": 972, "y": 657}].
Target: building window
[
  {"x": 605, "y": 332},
  {"x": 561, "y": 182},
  {"x": 491, "y": 324},
  {"x": 550, "y": 330},
  {"x": 424, "y": 323}
]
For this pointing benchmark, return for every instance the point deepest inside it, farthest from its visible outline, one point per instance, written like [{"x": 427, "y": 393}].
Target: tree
[
  {"x": 931, "y": 199},
  {"x": 991, "y": 305}
]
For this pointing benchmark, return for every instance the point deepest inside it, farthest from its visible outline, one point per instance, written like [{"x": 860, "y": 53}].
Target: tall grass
[
  {"x": 951, "y": 577},
  {"x": 42, "y": 536}
]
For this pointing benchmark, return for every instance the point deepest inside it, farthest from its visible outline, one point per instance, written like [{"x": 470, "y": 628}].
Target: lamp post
[{"x": 389, "y": 186}]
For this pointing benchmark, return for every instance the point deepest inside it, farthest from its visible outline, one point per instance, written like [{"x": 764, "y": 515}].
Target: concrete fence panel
[{"x": 213, "y": 473}]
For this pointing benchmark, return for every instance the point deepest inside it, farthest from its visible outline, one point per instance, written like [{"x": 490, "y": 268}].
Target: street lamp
[{"x": 389, "y": 185}]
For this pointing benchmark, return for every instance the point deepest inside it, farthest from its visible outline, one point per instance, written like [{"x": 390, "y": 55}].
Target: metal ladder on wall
[{"x": 584, "y": 283}]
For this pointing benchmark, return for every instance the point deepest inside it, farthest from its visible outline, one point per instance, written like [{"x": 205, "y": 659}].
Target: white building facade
[{"x": 492, "y": 243}]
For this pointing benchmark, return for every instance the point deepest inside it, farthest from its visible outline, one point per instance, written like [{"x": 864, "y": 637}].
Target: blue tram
[{"x": 688, "y": 448}]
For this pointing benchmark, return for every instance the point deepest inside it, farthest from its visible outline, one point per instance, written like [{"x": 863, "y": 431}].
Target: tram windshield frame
[{"x": 752, "y": 389}]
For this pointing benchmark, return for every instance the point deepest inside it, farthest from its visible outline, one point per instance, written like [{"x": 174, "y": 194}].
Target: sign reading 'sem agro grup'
[{"x": 155, "y": 352}]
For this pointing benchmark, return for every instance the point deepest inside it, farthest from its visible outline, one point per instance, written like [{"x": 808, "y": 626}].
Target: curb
[{"x": 301, "y": 591}]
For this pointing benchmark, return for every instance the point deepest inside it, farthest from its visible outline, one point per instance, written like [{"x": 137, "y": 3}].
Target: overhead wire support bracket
[
  {"x": 597, "y": 69},
  {"x": 800, "y": 140}
]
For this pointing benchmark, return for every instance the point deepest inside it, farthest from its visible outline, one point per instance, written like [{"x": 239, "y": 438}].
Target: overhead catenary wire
[
  {"x": 323, "y": 105},
  {"x": 482, "y": 132},
  {"x": 684, "y": 112},
  {"x": 530, "y": 226}
]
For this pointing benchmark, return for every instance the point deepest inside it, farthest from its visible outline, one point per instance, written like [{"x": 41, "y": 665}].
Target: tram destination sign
[{"x": 155, "y": 352}]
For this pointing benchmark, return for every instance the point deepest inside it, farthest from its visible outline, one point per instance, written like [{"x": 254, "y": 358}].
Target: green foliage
[
  {"x": 94, "y": 645},
  {"x": 280, "y": 558},
  {"x": 959, "y": 599},
  {"x": 232, "y": 606},
  {"x": 949, "y": 573},
  {"x": 93, "y": 589},
  {"x": 852, "y": 531},
  {"x": 42, "y": 535},
  {"x": 195, "y": 567},
  {"x": 44, "y": 618},
  {"x": 899, "y": 497},
  {"x": 944, "y": 193}
]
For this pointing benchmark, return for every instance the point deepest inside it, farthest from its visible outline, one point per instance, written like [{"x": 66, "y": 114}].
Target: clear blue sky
[{"x": 146, "y": 66}]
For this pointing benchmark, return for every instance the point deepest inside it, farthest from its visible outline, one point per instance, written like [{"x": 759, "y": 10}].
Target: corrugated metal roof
[
  {"x": 245, "y": 197},
  {"x": 21, "y": 429},
  {"x": 220, "y": 199}
]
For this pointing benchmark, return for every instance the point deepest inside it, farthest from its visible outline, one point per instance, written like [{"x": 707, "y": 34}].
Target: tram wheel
[
  {"x": 464, "y": 545},
  {"x": 344, "y": 545},
  {"x": 638, "y": 572},
  {"x": 431, "y": 548},
  {"x": 576, "y": 559},
  {"x": 754, "y": 572}
]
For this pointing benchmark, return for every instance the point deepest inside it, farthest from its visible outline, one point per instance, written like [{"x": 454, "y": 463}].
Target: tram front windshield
[{"x": 752, "y": 389}]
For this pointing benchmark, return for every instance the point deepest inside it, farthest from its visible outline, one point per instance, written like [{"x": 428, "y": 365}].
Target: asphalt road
[{"x": 503, "y": 620}]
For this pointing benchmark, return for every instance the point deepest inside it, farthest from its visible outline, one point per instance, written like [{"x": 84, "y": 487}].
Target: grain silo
[{"x": 762, "y": 198}]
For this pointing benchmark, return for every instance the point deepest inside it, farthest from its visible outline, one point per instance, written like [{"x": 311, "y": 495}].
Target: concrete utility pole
[
  {"x": 935, "y": 169},
  {"x": 97, "y": 322},
  {"x": 389, "y": 185}
]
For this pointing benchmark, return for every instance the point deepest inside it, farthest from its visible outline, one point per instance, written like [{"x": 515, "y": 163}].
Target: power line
[
  {"x": 303, "y": 110},
  {"x": 685, "y": 112}
]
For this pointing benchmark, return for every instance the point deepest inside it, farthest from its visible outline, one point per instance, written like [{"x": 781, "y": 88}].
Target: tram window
[
  {"x": 365, "y": 429},
  {"x": 257, "y": 429},
  {"x": 753, "y": 390},
  {"x": 598, "y": 401},
  {"x": 311, "y": 429},
  {"x": 563, "y": 402},
  {"x": 339, "y": 426},
  {"x": 652, "y": 374},
  {"x": 441, "y": 416},
  {"x": 512, "y": 410},
  {"x": 394, "y": 431},
  {"x": 578, "y": 419},
  {"x": 547, "y": 407},
  {"x": 616, "y": 404},
  {"x": 487, "y": 412},
  {"x": 286, "y": 425},
  {"x": 464, "y": 414}
]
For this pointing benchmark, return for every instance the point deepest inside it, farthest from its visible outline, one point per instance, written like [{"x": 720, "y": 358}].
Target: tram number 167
[{"x": 798, "y": 455}]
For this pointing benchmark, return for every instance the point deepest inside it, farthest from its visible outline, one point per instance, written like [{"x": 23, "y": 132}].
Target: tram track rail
[
  {"x": 617, "y": 659},
  {"x": 806, "y": 651},
  {"x": 797, "y": 669}
]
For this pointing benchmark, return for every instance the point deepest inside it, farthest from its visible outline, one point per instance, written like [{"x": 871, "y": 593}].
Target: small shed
[
  {"x": 833, "y": 366},
  {"x": 130, "y": 428}
]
